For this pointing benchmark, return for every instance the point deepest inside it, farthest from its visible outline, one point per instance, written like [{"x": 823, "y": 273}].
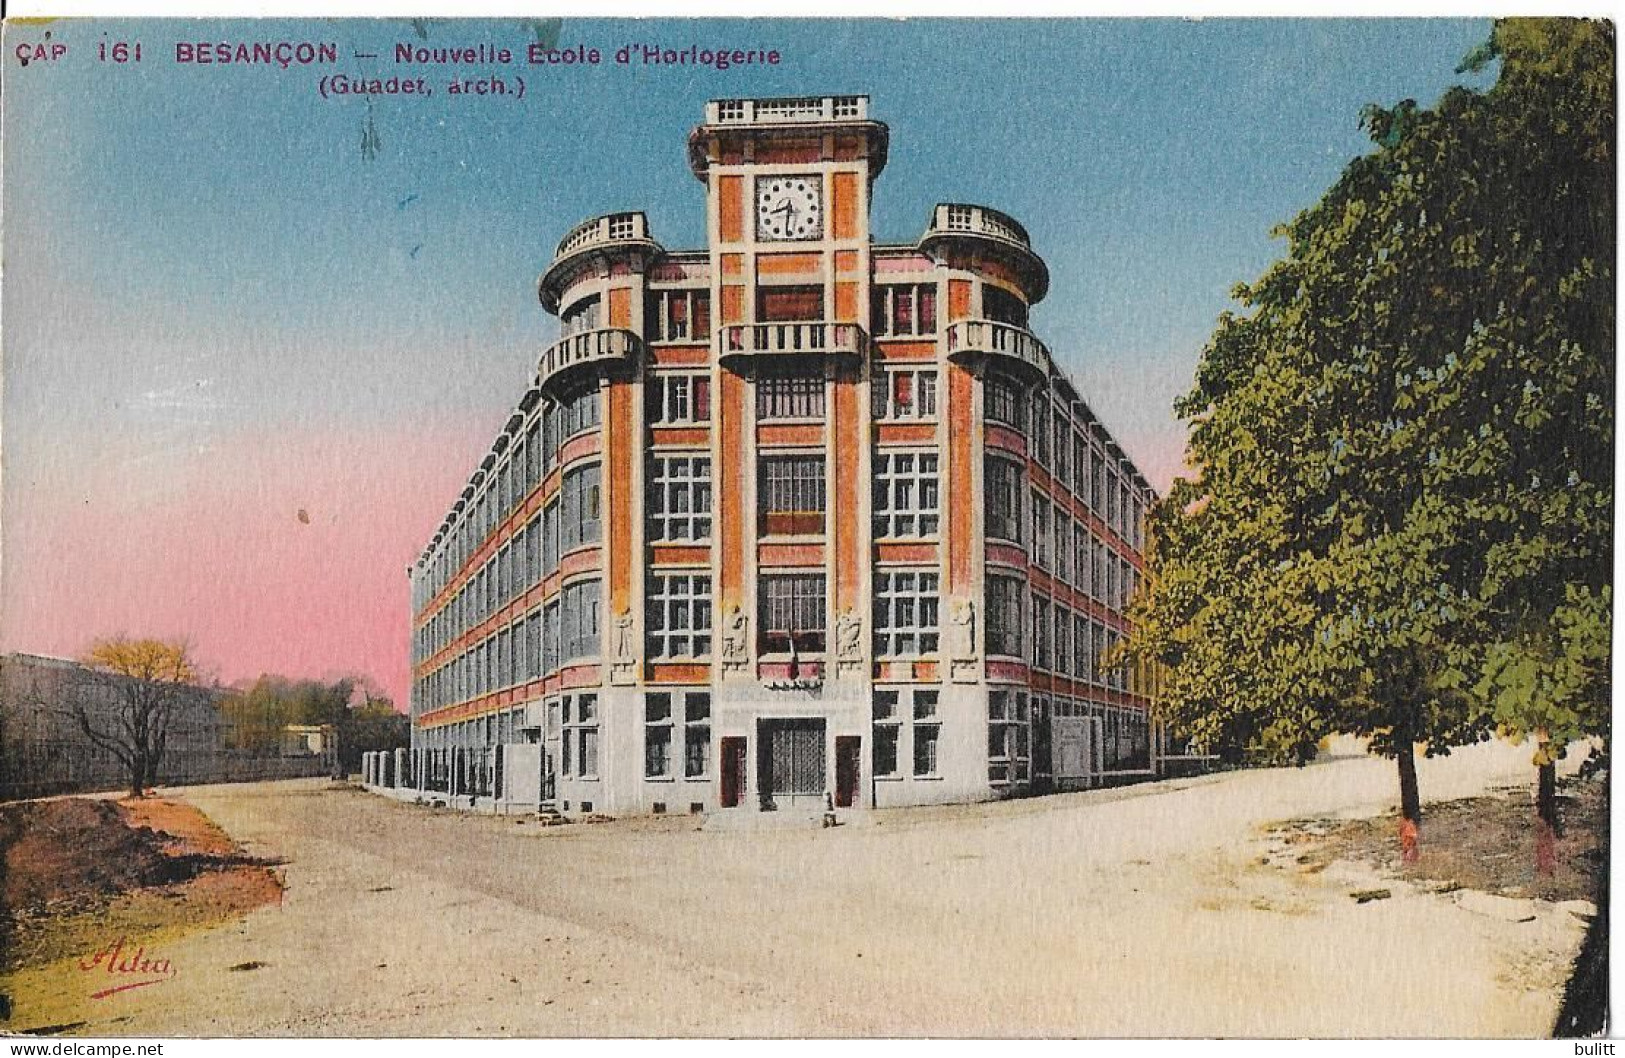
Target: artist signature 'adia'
[{"x": 136, "y": 968}]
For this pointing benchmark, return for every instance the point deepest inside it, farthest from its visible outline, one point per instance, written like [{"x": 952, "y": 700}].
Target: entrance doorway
[
  {"x": 733, "y": 771},
  {"x": 848, "y": 766},
  {"x": 790, "y": 763}
]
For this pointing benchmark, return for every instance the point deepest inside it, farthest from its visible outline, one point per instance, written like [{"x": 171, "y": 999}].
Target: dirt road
[{"x": 1116, "y": 913}]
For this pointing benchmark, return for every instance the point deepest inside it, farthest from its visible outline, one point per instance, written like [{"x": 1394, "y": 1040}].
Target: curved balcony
[
  {"x": 776, "y": 339},
  {"x": 590, "y": 245},
  {"x": 1004, "y": 343},
  {"x": 576, "y": 353},
  {"x": 990, "y": 231}
]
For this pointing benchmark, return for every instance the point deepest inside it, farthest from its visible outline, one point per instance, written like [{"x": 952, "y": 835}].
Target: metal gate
[{"x": 793, "y": 759}]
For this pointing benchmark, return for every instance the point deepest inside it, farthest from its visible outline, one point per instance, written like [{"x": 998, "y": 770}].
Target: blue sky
[{"x": 200, "y": 257}]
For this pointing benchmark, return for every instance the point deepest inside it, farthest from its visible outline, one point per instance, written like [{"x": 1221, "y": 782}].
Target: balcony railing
[
  {"x": 805, "y": 109},
  {"x": 954, "y": 217},
  {"x": 608, "y": 345},
  {"x": 616, "y": 227},
  {"x": 765, "y": 339},
  {"x": 1013, "y": 344}
]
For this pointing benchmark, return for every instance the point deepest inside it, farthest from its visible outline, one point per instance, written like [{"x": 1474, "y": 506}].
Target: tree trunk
[
  {"x": 1410, "y": 802},
  {"x": 1548, "y": 825}
]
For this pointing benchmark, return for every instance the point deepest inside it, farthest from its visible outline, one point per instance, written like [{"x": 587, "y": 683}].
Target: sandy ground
[{"x": 1153, "y": 911}]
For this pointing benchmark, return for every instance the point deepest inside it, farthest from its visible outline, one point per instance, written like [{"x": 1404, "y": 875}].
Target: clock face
[{"x": 789, "y": 207}]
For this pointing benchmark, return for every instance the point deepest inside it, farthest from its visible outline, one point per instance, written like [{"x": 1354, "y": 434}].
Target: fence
[{"x": 44, "y": 768}]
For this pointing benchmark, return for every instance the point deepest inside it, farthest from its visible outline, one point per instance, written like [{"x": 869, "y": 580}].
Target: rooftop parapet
[
  {"x": 791, "y": 116},
  {"x": 989, "y": 230},
  {"x": 593, "y": 243}
]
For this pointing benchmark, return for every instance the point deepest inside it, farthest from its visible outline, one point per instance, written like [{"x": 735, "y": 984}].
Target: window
[
  {"x": 1083, "y": 661},
  {"x": 905, "y": 613},
  {"x": 1004, "y": 618},
  {"x": 681, "y": 315},
  {"x": 789, "y": 304},
  {"x": 1063, "y": 449},
  {"x": 792, "y": 615},
  {"x": 1041, "y": 634},
  {"x": 679, "y": 498},
  {"x": 579, "y": 510},
  {"x": 579, "y": 620},
  {"x": 1003, "y": 307},
  {"x": 533, "y": 454},
  {"x": 1002, "y": 401},
  {"x": 1097, "y": 492},
  {"x": 678, "y": 616},
  {"x": 926, "y": 729},
  {"x": 533, "y": 646},
  {"x": 1041, "y": 531},
  {"x": 550, "y": 537},
  {"x": 791, "y": 495},
  {"x": 582, "y": 316},
  {"x": 781, "y": 394},
  {"x": 1002, "y": 480},
  {"x": 1007, "y": 735},
  {"x": 530, "y": 540},
  {"x": 904, "y": 393},
  {"x": 905, "y": 310},
  {"x": 580, "y": 735},
  {"x": 1039, "y": 435},
  {"x": 696, "y": 734},
  {"x": 657, "y": 736},
  {"x": 1063, "y": 640},
  {"x": 577, "y": 413},
  {"x": 677, "y": 399},
  {"x": 1063, "y": 544},
  {"x": 905, "y": 495},
  {"x": 886, "y": 730}
]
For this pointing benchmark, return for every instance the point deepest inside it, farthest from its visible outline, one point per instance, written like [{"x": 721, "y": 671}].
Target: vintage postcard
[{"x": 538, "y": 527}]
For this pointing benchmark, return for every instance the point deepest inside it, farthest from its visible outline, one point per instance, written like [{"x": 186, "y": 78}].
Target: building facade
[{"x": 795, "y": 517}]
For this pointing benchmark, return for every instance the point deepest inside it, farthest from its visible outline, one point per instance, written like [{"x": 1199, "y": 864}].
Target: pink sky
[{"x": 208, "y": 546}]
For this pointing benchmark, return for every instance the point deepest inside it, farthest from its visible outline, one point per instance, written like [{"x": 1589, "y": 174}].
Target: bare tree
[{"x": 126, "y": 698}]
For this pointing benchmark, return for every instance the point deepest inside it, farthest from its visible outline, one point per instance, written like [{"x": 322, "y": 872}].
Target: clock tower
[{"x": 787, "y": 188}]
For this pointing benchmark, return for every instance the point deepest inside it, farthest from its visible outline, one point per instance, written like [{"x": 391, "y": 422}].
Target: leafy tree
[
  {"x": 374, "y": 725},
  {"x": 130, "y": 693},
  {"x": 1538, "y": 486},
  {"x": 363, "y": 719},
  {"x": 1400, "y": 520}
]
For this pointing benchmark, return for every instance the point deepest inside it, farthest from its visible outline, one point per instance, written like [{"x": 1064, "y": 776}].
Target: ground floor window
[
  {"x": 696, "y": 734},
  {"x": 926, "y": 729},
  {"x": 886, "y": 725},
  {"x": 909, "y": 712},
  {"x": 672, "y": 718},
  {"x": 1008, "y": 755},
  {"x": 578, "y": 753},
  {"x": 657, "y": 735}
]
